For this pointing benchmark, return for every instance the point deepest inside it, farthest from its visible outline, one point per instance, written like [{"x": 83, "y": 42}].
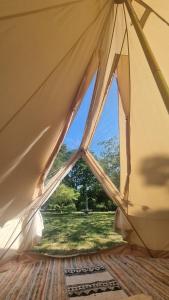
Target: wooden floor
[{"x": 37, "y": 277}]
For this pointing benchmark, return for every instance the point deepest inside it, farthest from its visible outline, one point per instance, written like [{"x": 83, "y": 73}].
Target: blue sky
[{"x": 107, "y": 126}]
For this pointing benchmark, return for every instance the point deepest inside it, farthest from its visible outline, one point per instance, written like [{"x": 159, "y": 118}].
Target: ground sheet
[{"x": 84, "y": 277}]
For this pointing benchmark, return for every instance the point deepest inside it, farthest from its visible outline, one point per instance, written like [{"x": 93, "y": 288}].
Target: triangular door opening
[
  {"x": 105, "y": 142},
  {"x": 73, "y": 138},
  {"x": 79, "y": 216}
]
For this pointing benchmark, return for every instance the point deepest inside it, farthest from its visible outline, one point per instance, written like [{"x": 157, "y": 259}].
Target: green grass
[{"x": 64, "y": 234}]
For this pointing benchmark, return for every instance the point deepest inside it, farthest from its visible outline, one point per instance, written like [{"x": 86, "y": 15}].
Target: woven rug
[
  {"x": 89, "y": 282},
  {"x": 84, "y": 277}
]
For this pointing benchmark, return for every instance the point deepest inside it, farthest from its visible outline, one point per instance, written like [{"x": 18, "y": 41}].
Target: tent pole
[{"x": 155, "y": 69}]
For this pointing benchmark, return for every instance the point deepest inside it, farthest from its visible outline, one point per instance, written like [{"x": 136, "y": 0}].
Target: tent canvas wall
[{"x": 49, "y": 52}]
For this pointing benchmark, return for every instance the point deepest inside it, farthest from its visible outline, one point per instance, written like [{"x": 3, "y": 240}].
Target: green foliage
[
  {"x": 80, "y": 189},
  {"x": 109, "y": 159},
  {"x": 63, "y": 199},
  {"x": 82, "y": 179}
]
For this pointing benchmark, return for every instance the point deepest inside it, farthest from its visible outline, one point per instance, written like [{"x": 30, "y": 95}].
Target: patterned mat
[
  {"x": 85, "y": 281},
  {"x": 84, "y": 270},
  {"x": 86, "y": 289},
  {"x": 37, "y": 278}
]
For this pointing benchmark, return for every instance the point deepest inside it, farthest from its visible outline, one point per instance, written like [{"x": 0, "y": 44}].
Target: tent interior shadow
[{"x": 155, "y": 170}]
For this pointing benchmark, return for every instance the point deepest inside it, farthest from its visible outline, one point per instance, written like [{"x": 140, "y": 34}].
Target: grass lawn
[{"x": 64, "y": 234}]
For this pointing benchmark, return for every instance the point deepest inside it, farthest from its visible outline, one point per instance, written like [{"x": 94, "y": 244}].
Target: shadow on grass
[{"x": 73, "y": 232}]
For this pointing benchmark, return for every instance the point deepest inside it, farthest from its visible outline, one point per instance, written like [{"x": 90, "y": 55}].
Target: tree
[
  {"x": 63, "y": 197},
  {"x": 80, "y": 185},
  {"x": 82, "y": 179},
  {"x": 109, "y": 159}
]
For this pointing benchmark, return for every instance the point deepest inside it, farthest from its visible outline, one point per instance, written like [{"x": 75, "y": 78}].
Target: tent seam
[
  {"x": 74, "y": 109},
  {"x": 102, "y": 103},
  {"x": 128, "y": 129},
  {"x": 36, "y": 11},
  {"x": 53, "y": 70}
]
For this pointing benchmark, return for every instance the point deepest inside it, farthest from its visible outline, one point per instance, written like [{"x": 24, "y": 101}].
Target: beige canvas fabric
[
  {"x": 107, "y": 66},
  {"x": 124, "y": 86},
  {"x": 148, "y": 191},
  {"x": 41, "y": 53},
  {"x": 123, "y": 80},
  {"x": 106, "y": 183},
  {"x": 49, "y": 52},
  {"x": 123, "y": 151},
  {"x": 122, "y": 224},
  {"x": 24, "y": 231},
  {"x": 93, "y": 65},
  {"x": 115, "y": 45}
]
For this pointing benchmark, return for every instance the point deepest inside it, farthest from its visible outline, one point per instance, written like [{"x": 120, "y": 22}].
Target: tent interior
[{"x": 49, "y": 53}]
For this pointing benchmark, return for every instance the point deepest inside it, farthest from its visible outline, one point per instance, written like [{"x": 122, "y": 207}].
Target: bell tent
[{"x": 49, "y": 52}]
